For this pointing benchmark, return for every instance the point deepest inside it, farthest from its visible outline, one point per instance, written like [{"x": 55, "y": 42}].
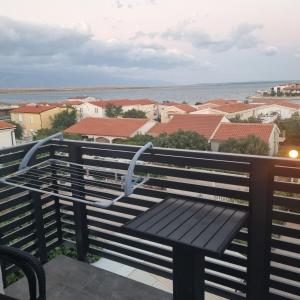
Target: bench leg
[{"x": 188, "y": 274}]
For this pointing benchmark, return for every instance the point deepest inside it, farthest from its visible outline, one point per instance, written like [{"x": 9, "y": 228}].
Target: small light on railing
[{"x": 293, "y": 154}]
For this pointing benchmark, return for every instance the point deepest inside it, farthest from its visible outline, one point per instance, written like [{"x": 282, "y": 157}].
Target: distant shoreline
[
  {"x": 71, "y": 89},
  {"x": 188, "y": 93},
  {"x": 115, "y": 87}
]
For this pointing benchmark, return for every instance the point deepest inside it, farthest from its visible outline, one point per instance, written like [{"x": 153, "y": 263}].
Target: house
[
  {"x": 238, "y": 110},
  {"x": 96, "y": 109},
  {"x": 267, "y": 132},
  {"x": 292, "y": 89},
  {"x": 202, "y": 124},
  {"x": 229, "y": 108},
  {"x": 167, "y": 110},
  {"x": 283, "y": 109},
  {"x": 34, "y": 117},
  {"x": 7, "y": 134},
  {"x": 105, "y": 130}
]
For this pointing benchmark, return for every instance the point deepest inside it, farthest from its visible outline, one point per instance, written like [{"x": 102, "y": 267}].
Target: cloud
[
  {"x": 132, "y": 4},
  {"x": 119, "y": 4},
  {"x": 242, "y": 37},
  {"x": 297, "y": 54},
  {"x": 270, "y": 50},
  {"x": 40, "y": 51},
  {"x": 26, "y": 46}
]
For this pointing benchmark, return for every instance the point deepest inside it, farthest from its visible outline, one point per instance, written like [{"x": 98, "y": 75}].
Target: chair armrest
[{"x": 30, "y": 266}]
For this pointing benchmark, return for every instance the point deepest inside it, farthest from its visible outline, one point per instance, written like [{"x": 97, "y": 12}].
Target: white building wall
[
  {"x": 244, "y": 115},
  {"x": 274, "y": 141},
  {"x": 167, "y": 113},
  {"x": 282, "y": 111},
  {"x": 7, "y": 138},
  {"x": 86, "y": 110}
]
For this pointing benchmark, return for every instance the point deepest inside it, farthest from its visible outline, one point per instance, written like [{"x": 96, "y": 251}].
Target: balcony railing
[{"x": 263, "y": 261}]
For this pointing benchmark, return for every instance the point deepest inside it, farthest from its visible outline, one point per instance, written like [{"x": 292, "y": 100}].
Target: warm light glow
[{"x": 293, "y": 154}]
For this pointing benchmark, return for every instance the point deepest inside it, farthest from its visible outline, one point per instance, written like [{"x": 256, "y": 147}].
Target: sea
[{"x": 188, "y": 93}]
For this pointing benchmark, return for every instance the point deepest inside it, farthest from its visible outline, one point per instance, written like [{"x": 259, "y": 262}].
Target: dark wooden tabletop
[{"x": 205, "y": 226}]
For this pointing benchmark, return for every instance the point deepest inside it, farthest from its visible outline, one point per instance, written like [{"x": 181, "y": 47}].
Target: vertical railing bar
[
  {"x": 260, "y": 230},
  {"x": 40, "y": 226},
  {"x": 80, "y": 211},
  {"x": 56, "y": 203}
]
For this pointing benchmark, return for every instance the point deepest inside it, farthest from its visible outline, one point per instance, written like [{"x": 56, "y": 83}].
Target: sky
[{"x": 119, "y": 42}]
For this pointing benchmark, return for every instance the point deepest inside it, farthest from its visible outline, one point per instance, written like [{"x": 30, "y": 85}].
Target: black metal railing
[{"x": 262, "y": 262}]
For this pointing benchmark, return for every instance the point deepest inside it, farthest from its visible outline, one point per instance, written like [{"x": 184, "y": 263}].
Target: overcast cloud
[
  {"x": 35, "y": 48},
  {"x": 242, "y": 37},
  {"x": 48, "y": 44}
]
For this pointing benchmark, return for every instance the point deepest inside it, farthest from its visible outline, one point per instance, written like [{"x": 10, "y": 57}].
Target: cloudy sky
[{"x": 91, "y": 42}]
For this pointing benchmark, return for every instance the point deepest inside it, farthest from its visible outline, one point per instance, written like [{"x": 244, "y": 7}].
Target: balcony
[{"x": 262, "y": 262}]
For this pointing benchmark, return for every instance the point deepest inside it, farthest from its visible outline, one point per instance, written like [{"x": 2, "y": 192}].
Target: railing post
[
  {"x": 40, "y": 226},
  {"x": 80, "y": 213},
  {"x": 260, "y": 228}
]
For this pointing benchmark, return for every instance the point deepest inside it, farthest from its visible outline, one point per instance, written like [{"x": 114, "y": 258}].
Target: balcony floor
[{"x": 69, "y": 279}]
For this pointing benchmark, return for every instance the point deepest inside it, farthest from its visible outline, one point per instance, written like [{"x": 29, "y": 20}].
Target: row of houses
[
  {"x": 211, "y": 118},
  {"x": 215, "y": 128},
  {"x": 36, "y": 116},
  {"x": 291, "y": 89}
]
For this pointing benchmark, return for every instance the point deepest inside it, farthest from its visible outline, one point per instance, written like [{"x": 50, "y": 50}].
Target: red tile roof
[
  {"x": 202, "y": 124},
  {"x": 281, "y": 102},
  {"x": 236, "y": 107},
  {"x": 33, "y": 109},
  {"x": 115, "y": 127},
  {"x": 6, "y": 125},
  {"x": 185, "y": 107},
  {"x": 242, "y": 130}
]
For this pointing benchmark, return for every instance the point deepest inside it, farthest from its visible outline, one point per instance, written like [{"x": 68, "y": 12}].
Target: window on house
[
  {"x": 31, "y": 119},
  {"x": 20, "y": 117},
  {"x": 96, "y": 110}
]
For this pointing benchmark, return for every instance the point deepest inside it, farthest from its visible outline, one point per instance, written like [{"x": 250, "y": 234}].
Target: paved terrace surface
[{"x": 70, "y": 279}]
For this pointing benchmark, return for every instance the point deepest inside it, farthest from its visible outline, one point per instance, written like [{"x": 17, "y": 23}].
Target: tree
[
  {"x": 113, "y": 111},
  {"x": 139, "y": 139},
  {"x": 180, "y": 139},
  {"x": 134, "y": 113},
  {"x": 64, "y": 119},
  {"x": 60, "y": 122},
  {"x": 291, "y": 127},
  {"x": 45, "y": 132},
  {"x": 19, "y": 130},
  {"x": 249, "y": 145}
]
